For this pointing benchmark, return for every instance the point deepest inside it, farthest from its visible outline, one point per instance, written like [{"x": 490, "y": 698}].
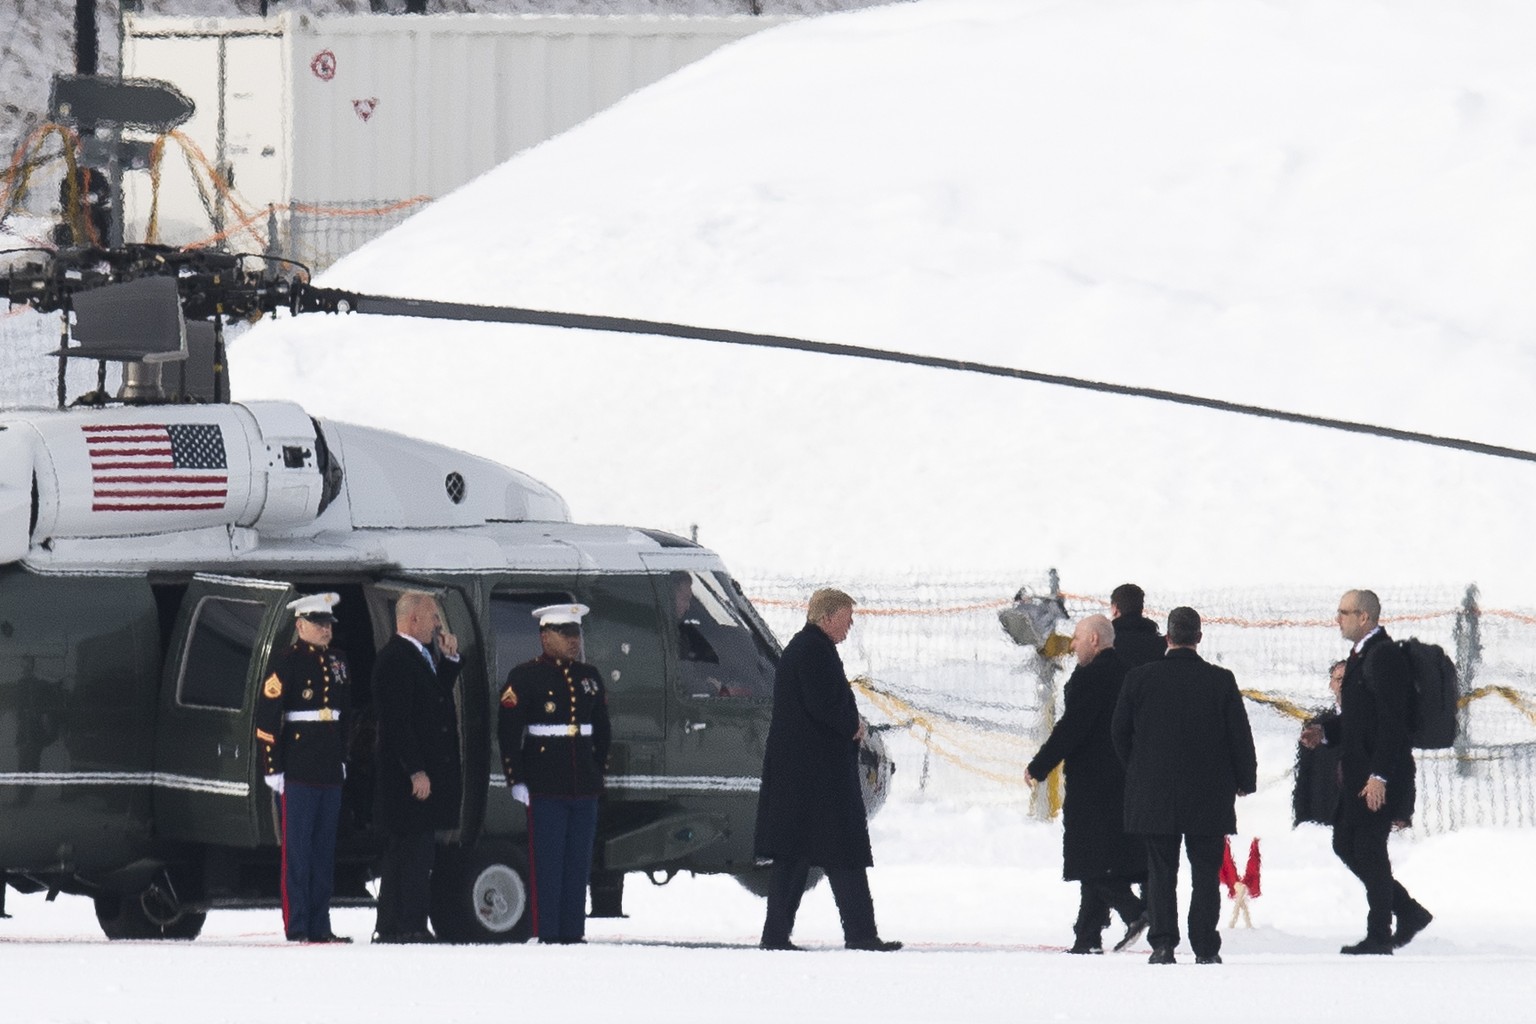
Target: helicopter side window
[
  {"x": 719, "y": 653},
  {"x": 516, "y": 631},
  {"x": 220, "y": 645}
]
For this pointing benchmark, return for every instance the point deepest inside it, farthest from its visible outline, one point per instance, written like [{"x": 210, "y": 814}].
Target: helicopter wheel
[
  {"x": 154, "y": 913},
  {"x": 481, "y": 895}
]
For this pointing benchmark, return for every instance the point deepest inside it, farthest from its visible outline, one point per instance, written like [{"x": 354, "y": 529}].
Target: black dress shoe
[
  {"x": 1210, "y": 958},
  {"x": 332, "y": 937},
  {"x": 1410, "y": 924},
  {"x": 296, "y": 937},
  {"x": 1162, "y": 955},
  {"x": 876, "y": 945},
  {"x": 1086, "y": 948},
  {"x": 1133, "y": 931},
  {"x": 1369, "y": 947},
  {"x": 784, "y": 945}
]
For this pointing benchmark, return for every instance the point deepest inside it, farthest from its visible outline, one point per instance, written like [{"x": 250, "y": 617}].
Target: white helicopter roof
[{"x": 132, "y": 488}]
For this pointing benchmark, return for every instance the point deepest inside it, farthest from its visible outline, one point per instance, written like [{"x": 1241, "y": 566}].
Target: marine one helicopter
[{"x": 150, "y": 542}]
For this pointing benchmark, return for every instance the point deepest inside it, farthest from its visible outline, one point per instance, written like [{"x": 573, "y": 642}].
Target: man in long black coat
[
  {"x": 1182, "y": 732},
  {"x": 1096, "y": 852},
  {"x": 1136, "y": 636},
  {"x": 1376, "y": 770},
  {"x": 417, "y": 760},
  {"x": 810, "y": 809}
]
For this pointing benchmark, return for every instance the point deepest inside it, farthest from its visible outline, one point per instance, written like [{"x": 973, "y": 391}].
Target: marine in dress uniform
[
  {"x": 301, "y": 732},
  {"x": 554, "y": 733}
]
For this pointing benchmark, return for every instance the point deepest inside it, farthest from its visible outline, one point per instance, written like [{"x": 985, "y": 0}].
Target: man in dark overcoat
[
  {"x": 418, "y": 789},
  {"x": 1136, "y": 637},
  {"x": 554, "y": 732},
  {"x": 1096, "y": 852},
  {"x": 1376, "y": 771},
  {"x": 810, "y": 809},
  {"x": 1182, "y": 732},
  {"x": 302, "y": 715},
  {"x": 1315, "y": 796}
]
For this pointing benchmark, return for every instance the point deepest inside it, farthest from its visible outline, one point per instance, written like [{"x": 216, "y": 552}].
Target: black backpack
[{"x": 1432, "y": 704}]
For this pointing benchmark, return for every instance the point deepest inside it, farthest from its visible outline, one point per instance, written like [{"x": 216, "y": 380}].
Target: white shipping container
[{"x": 319, "y": 117}]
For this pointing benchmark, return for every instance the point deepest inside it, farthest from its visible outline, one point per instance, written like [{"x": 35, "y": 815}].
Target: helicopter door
[
  {"x": 208, "y": 786},
  {"x": 721, "y": 681}
]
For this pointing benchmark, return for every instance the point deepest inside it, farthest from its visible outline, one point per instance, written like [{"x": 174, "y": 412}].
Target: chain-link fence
[
  {"x": 963, "y": 708},
  {"x": 319, "y": 234},
  {"x": 29, "y": 374}
]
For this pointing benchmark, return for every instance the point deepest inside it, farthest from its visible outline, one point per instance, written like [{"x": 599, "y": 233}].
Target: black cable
[{"x": 624, "y": 325}]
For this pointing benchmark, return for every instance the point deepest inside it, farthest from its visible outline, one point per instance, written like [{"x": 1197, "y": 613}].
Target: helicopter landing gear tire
[
  {"x": 482, "y": 895},
  {"x": 151, "y": 914}
]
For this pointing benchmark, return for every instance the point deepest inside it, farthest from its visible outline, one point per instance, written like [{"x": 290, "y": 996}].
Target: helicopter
[{"x": 150, "y": 543}]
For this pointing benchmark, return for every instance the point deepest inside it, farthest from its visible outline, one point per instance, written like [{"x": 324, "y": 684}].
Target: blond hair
[{"x": 826, "y": 601}]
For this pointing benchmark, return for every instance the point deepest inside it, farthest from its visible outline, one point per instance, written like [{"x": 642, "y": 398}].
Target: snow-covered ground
[
  {"x": 976, "y": 893},
  {"x": 1319, "y": 205}
]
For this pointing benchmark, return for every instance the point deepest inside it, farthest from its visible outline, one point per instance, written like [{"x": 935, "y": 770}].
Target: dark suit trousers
[
  {"x": 1099, "y": 896},
  {"x": 850, "y": 888},
  {"x": 405, "y": 884},
  {"x": 1205, "y": 891},
  {"x": 1360, "y": 840}
]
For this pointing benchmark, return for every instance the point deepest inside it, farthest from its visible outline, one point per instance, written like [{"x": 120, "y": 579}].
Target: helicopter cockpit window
[
  {"x": 220, "y": 645},
  {"x": 718, "y": 649}
]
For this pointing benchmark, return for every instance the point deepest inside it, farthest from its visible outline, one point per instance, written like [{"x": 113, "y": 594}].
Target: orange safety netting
[{"x": 214, "y": 190}]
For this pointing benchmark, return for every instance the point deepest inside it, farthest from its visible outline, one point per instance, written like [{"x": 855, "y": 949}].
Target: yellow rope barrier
[{"x": 998, "y": 755}]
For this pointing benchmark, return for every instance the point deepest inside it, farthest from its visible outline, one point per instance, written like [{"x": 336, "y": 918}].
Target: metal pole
[
  {"x": 87, "y": 50},
  {"x": 1469, "y": 658},
  {"x": 219, "y": 150}
]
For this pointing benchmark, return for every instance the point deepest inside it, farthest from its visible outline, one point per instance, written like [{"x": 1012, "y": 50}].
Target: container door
[{"x": 207, "y": 779}]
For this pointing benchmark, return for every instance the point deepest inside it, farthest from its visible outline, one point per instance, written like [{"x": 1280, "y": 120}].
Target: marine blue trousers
[
  {"x": 561, "y": 831},
  {"x": 310, "y": 814}
]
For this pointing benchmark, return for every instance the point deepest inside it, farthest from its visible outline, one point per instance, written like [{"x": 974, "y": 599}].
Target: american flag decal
[{"x": 157, "y": 467}]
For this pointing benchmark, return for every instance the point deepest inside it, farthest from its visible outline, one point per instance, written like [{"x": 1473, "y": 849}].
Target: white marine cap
[
  {"x": 315, "y": 607},
  {"x": 560, "y": 614}
]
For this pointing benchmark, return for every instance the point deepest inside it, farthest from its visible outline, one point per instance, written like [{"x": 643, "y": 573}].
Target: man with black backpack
[{"x": 1371, "y": 733}]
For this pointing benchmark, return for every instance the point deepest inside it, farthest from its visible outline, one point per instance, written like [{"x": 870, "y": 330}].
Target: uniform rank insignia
[
  {"x": 509, "y": 698},
  {"x": 274, "y": 687}
]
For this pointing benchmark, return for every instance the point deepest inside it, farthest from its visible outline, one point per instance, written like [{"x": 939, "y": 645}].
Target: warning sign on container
[{"x": 324, "y": 65}]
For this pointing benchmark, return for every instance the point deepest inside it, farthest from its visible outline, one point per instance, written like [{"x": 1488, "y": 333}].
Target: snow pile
[{"x": 1303, "y": 205}]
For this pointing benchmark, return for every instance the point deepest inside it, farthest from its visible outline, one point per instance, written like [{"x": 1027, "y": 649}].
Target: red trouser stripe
[
  {"x": 283, "y": 801},
  {"x": 533, "y": 876}
]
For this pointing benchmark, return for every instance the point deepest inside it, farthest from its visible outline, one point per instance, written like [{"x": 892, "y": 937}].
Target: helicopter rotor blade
[{"x": 383, "y": 305}]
